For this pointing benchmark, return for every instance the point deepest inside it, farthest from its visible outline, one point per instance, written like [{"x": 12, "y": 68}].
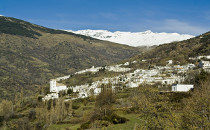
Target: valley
[{"x": 53, "y": 79}]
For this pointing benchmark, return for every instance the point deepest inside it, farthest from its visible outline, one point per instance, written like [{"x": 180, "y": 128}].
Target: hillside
[
  {"x": 147, "y": 38},
  {"x": 179, "y": 52},
  {"x": 31, "y": 54}
]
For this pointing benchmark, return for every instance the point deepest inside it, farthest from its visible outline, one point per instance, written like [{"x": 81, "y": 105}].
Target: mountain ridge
[{"x": 147, "y": 38}]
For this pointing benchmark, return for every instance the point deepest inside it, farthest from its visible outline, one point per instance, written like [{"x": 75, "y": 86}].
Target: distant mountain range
[{"x": 147, "y": 38}]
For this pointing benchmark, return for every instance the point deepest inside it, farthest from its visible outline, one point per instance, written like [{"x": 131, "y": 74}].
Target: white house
[
  {"x": 134, "y": 62},
  {"x": 63, "y": 78},
  {"x": 170, "y": 62},
  {"x": 205, "y": 57},
  {"x": 126, "y": 63},
  {"x": 182, "y": 87},
  {"x": 204, "y": 64},
  {"x": 51, "y": 96},
  {"x": 97, "y": 91},
  {"x": 133, "y": 84},
  {"x": 56, "y": 87},
  {"x": 191, "y": 66}
]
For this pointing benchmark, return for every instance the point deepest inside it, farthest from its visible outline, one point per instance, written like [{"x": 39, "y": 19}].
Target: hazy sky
[{"x": 182, "y": 16}]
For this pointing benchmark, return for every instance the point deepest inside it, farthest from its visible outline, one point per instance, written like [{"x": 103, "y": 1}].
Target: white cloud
[
  {"x": 173, "y": 25},
  {"x": 1, "y": 15}
]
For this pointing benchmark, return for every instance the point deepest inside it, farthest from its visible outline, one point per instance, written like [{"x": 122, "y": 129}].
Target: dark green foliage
[
  {"x": 69, "y": 91},
  {"x": 196, "y": 77},
  {"x": 75, "y": 106},
  {"x": 17, "y": 27},
  {"x": 32, "y": 114},
  {"x": 85, "y": 125},
  {"x": 49, "y": 104},
  {"x": 1, "y": 120},
  {"x": 40, "y": 98},
  {"x": 202, "y": 76},
  {"x": 115, "y": 119},
  {"x": 102, "y": 69},
  {"x": 177, "y": 97}
]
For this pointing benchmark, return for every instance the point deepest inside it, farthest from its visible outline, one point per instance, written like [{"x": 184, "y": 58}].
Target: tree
[
  {"x": 103, "y": 105},
  {"x": 6, "y": 109},
  {"x": 155, "y": 113},
  {"x": 69, "y": 91},
  {"x": 197, "y": 108}
]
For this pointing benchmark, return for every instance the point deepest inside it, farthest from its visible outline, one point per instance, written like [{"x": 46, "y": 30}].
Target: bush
[
  {"x": 95, "y": 124},
  {"x": 39, "y": 98},
  {"x": 75, "y": 106},
  {"x": 85, "y": 125},
  {"x": 115, "y": 119},
  {"x": 69, "y": 91},
  {"x": 1, "y": 120},
  {"x": 32, "y": 114}
]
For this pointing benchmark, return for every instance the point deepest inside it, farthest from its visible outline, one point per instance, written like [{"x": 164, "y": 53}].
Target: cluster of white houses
[
  {"x": 199, "y": 57},
  {"x": 115, "y": 68},
  {"x": 83, "y": 90},
  {"x": 204, "y": 61},
  {"x": 171, "y": 75}
]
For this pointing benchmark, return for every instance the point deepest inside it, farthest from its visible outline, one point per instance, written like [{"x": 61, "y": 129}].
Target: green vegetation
[{"x": 134, "y": 108}]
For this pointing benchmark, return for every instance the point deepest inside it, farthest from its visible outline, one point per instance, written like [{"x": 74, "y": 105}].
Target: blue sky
[{"x": 181, "y": 16}]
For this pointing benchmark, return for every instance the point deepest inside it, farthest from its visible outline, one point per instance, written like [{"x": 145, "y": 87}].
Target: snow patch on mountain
[{"x": 147, "y": 38}]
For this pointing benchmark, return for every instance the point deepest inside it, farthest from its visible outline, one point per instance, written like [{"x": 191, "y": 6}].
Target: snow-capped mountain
[{"x": 147, "y": 38}]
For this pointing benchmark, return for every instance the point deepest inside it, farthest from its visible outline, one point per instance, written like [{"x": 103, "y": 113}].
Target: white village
[{"x": 169, "y": 75}]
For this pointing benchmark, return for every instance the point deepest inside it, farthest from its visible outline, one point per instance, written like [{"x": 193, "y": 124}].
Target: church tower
[{"x": 53, "y": 85}]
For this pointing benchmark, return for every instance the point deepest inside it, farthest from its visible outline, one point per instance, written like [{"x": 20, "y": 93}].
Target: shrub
[
  {"x": 69, "y": 91},
  {"x": 1, "y": 120},
  {"x": 85, "y": 125},
  {"x": 75, "y": 106},
  {"x": 32, "y": 114},
  {"x": 115, "y": 119}
]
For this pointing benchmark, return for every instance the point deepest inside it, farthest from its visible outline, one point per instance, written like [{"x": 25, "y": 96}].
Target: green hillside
[
  {"x": 31, "y": 54},
  {"x": 179, "y": 52}
]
